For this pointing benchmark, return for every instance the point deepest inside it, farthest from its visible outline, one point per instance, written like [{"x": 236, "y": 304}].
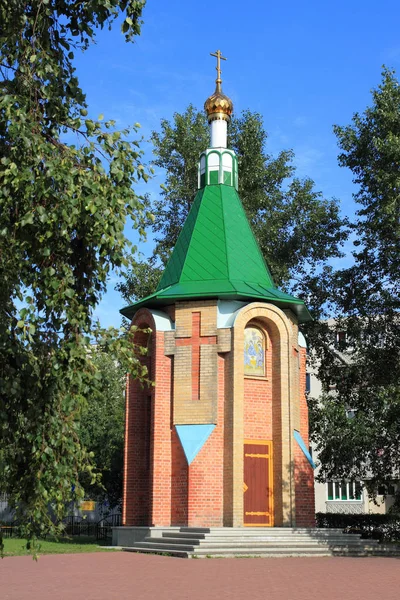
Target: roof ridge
[
  {"x": 234, "y": 209},
  {"x": 193, "y": 228},
  {"x": 256, "y": 241},
  {"x": 225, "y": 243}
]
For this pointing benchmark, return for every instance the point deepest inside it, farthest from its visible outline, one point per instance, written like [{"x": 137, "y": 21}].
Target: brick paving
[{"x": 123, "y": 576}]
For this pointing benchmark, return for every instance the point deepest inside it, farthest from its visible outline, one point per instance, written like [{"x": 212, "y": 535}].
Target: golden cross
[{"x": 219, "y": 57}]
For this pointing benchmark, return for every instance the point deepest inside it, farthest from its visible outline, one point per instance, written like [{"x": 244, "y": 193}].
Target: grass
[{"x": 16, "y": 546}]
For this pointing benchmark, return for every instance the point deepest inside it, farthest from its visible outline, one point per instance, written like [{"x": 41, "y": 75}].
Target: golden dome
[{"x": 218, "y": 106}]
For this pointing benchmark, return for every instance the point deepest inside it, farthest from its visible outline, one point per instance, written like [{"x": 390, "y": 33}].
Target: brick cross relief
[{"x": 196, "y": 341}]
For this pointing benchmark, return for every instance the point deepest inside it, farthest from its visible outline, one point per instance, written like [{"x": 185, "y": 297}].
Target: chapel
[{"x": 221, "y": 439}]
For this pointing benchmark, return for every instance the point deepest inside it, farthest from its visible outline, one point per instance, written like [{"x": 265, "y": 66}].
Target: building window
[
  {"x": 344, "y": 490},
  {"x": 308, "y": 382},
  {"x": 351, "y": 413},
  {"x": 387, "y": 490},
  {"x": 213, "y": 177},
  {"x": 254, "y": 352},
  {"x": 227, "y": 178},
  {"x": 340, "y": 339}
]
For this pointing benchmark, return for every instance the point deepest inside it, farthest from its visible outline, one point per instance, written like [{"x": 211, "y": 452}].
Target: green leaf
[
  {"x": 56, "y": 257},
  {"x": 27, "y": 219}
]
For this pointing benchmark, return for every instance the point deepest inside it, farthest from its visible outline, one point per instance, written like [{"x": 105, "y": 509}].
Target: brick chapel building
[{"x": 221, "y": 440}]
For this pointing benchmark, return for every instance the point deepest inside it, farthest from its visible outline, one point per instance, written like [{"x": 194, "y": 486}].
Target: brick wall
[
  {"x": 147, "y": 458},
  {"x": 258, "y": 401},
  {"x": 136, "y": 493},
  {"x": 304, "y": 474},
  {"x": 206, "y": 473},
  {"x": 179, "y": 482},
  {"x": 161, "y": 436},
  {"x": 276, "y": 393},
  {"x": 228, "y": 441}
]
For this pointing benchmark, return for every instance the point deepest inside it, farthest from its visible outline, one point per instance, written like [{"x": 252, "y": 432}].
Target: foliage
[
  {"x": 177, "y": 148},
  {"x": 365, "y": 368},
  {"x": 385, "y": 528},
  {"x": 141, "y": 281},
  {"x": 65, "y": 194},
  {"x": 102, "y": 428},
  {"x": 298, "y": 230}
]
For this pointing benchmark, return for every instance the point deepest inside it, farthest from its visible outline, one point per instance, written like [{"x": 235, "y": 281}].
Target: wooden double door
[{"x": 258, "y": 484}]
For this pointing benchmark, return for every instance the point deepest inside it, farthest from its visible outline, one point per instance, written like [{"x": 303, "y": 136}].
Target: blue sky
[{"x": 303, "y": 66}]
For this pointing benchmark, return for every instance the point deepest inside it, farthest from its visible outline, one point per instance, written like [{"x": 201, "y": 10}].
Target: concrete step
[
  {"x": 300, "y": 546},
  {"x": 201, "y": 529},
  {"x": 183, "y": 552},
  {"x": 277, "y": 543},
  {"x": 265, "y": 537},
  {"x": 269, "y": 541},
  {"x": 262, "y": 552},
  {"x": 163, "y": 551},
  {"x": 271, "y": 530},
  {"x": 184, "y": 535},
  {"x": 252, "y": 542},
  {"x": 203, "y": 542},
  {"x": 164, "y": 547},
  {"x": 174, "y": 540},
  {"x": 248, "y": 532},
  {"x": 244, "y": 546}
]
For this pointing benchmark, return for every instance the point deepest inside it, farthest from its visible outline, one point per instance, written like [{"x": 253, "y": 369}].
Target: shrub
[{"x": 384, "y": 528}]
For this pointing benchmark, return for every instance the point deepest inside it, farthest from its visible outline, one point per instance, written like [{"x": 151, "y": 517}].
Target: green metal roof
[{"x": 217, "y": 256}]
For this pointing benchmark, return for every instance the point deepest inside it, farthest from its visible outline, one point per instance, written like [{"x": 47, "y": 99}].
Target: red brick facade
[
  {"x": 160, "y": 488},
  {"x": 303, "y": 474}
]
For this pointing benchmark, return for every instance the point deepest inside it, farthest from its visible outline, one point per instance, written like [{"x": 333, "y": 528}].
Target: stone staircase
[{"x": 200, "y": 542}]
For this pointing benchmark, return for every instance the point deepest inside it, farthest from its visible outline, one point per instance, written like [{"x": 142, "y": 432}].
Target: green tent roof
[{"x": 217, "y": 256}]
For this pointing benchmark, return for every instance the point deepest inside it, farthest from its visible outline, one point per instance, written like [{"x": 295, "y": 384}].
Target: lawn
[{"x": 16, "y": 546}]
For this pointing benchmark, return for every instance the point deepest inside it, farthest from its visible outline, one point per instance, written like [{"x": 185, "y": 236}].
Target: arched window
[{"x": 254, "y": 352}]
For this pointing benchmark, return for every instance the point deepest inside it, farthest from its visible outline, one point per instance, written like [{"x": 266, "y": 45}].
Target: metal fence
[
  {"x": 8, "y": 530},
  {"x": 74, "y": 526},
  {"x": 105, "y": 526}
]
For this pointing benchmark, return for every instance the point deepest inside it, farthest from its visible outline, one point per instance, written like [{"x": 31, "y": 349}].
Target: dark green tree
[
  {"x": 63, "y": 208},
  {"x": 297, "y": 228},
  {"x": 365, "y": 368},
  {"x": 141, "y": 280},
  {"x": 102, "y": 428}
]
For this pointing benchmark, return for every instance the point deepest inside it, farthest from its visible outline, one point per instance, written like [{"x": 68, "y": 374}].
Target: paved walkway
[{"x": 123, "y": 576}]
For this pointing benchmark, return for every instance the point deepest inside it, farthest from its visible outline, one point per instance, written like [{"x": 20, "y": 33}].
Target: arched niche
[{"x": 275, "y": 323}]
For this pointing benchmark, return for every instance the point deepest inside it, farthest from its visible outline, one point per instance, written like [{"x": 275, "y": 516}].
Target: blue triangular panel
[
  {"x": 193, "y": 438},
  {"x": 302, "y": 445}
]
